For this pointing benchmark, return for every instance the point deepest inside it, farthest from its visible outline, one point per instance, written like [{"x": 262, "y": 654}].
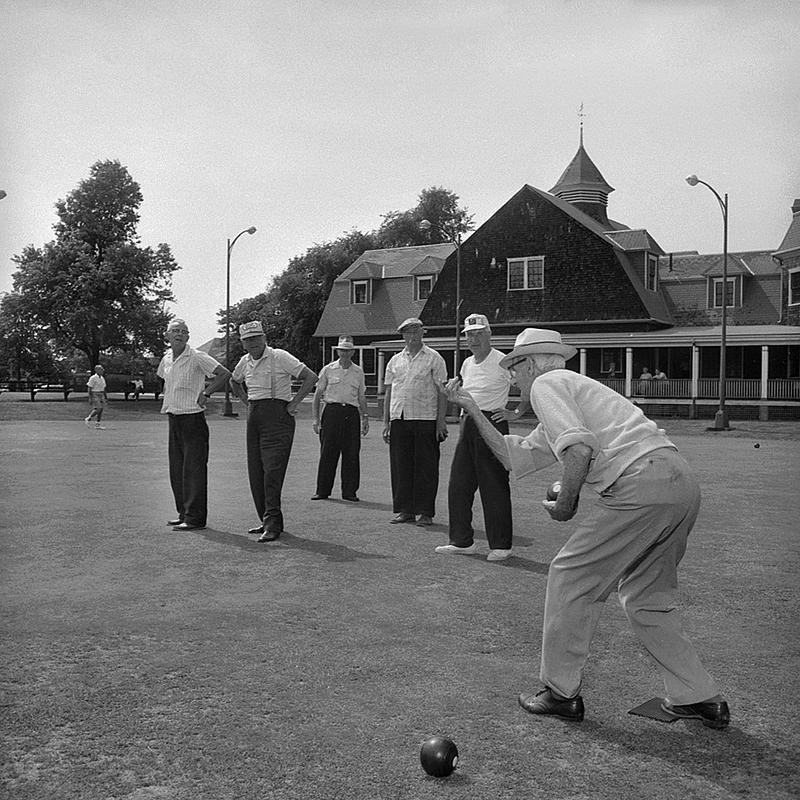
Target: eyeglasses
[{"x": 512, "y": 368}]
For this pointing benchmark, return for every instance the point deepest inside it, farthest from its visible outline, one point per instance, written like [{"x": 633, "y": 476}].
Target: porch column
[
  {"x": 695, "y": 370},
  {"x": 381, "y": 372},
  {"x": 582, "y": 351},
  {"x": 628, "y": 371},
  {"x": 764, "y": 371}
]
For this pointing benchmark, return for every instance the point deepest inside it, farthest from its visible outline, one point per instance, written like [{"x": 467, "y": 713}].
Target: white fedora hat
[
  {"x": 538, "y": 340},
  {"x": 345, "y": 343}
]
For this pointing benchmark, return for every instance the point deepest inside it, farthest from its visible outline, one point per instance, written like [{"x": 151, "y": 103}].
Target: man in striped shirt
[{"x": 184, "y": 372}]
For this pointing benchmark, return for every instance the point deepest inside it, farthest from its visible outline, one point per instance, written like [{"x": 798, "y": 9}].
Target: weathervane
[{"x": 581, "y": 115}]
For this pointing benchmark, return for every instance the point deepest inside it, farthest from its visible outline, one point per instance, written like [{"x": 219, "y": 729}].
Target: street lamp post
[
  {"x": 228, "y": 408},
  {"x": 721, "y": 417},
  {"x": 455, "y": 237}
]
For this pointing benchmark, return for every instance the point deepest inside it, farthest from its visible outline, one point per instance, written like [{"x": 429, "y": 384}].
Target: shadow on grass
[
  {"x": 333, "y": 552},
  {"x": 737, "y": 761}
]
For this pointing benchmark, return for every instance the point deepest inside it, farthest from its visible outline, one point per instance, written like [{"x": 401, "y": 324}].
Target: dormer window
[
  {"x": 715, "y": 299},
  {"x": 525, "y": 273},
  {"x": 651, "y": 272},
  {"x": 794, "y": 286},
  {"x": 360, "y": 292},
  {"x": 423, "y": 286}
]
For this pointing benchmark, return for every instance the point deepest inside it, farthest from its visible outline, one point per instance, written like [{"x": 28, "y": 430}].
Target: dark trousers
[
  {"x": 340, "y": 435},
  {"x": 270, "y": 433},
  {"x": 474, "y": 467},
  {"x": 414, "y": 462},
  {"x": 188, "y": 466}
]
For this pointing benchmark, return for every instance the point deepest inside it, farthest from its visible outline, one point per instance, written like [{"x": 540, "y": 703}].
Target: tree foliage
[
  {"x": 94, "y": 288},
  {"x": 291, "y": 307}
]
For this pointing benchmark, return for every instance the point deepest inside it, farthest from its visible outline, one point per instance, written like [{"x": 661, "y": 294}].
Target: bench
[{"x": 61, "y": 388}]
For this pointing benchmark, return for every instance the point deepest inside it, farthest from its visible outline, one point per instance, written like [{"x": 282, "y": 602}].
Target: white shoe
[
  {"x": 98, "y": 427},
  {"x": 498, "y": 555},
  {"x": 451, "y": 548},
  {"x": 88, "y": 422}
]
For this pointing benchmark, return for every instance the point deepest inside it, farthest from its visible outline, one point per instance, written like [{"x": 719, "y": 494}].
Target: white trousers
[{"x": 632, "y": 540}]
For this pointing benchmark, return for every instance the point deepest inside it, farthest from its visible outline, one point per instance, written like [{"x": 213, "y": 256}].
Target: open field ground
[{"x": 145, "y": 664}]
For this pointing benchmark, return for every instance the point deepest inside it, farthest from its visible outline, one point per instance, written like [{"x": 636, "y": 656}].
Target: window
[
  {"x": 651, "y": 272},
  {"x": 360, "y": 292},
  {"x": 717, "y": 293},
  {"x": 423, "y": 286},
  {"x": 794, "y": 286},
  {"x": 525, "y": 273}
]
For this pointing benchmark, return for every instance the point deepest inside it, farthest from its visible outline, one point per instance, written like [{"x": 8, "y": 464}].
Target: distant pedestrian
[
  {"x": 659, "y": 375},
  {"x": 341, "y": 391},
  {"x": 98, "y": 397},
  {"x": 267, "y": 373},
  {"x": 414, "y": 425},
  {"x": 184, "y": 372}
]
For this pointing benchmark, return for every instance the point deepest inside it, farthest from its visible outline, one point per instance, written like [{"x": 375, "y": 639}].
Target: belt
[
  {"x": 340, "y": 405},
  {"x": 269, "y": 400}
]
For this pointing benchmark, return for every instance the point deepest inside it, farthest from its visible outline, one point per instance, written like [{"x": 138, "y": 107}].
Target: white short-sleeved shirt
[
  {"x": 487, "y": 382},
  {"x": 576, "y": 409},
  {"x": 269, "y": 376},
  {"x": 184, "y": 379},
  {"x": 339, "y": 385},
  {"x": 96, "y": 383},
  {"x": 413, "y": 380}
]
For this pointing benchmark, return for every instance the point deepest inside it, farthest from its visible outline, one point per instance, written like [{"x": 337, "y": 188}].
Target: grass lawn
[{"x": 145, "y": 664}]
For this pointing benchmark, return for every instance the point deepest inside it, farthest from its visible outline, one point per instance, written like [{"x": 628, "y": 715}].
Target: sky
[{"x": 311, "y": 119}]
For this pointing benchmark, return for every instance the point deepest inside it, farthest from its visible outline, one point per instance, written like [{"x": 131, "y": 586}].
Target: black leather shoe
[
  {"x": 257, "y": 529},
  {"x": 547, "y": 702},
  {"x": 713, "y": 713},
  {"x": 351, "y": 498},
  {"x": 269, "y": 536},
  {"x": 174, "y": 521},
  {"x": 320, "y": 497},
  {"x": 187, "y": 526}
]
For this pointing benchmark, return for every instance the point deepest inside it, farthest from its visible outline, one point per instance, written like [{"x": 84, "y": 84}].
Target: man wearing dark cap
[
  {"x": 631, "y": 540},
  {"x": 342, "y": 393},
  {"x": 267, "y": 373},
  {"x": 414, "y": 425}
]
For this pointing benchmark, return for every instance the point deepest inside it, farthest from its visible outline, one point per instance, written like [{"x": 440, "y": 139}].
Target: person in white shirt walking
[
  {"x": 98, "y": 398},
  {"x": 631, "y": 541},
  {"x": 184, "y": 372},
  {"x": 267, "y": 372}
]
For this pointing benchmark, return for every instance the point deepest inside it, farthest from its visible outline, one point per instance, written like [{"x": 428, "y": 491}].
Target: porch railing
[{"x": 708, "y": 388}]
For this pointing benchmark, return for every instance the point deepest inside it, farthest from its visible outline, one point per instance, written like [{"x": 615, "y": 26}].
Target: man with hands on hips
[
  {"x": 631, "y": 541},
  {"x": 267, "y": 373}
]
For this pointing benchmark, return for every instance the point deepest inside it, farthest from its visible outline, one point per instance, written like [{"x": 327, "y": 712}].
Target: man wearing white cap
[
  {"x": 267, "y": 373},
  {"x": 414, "y": 424},
  {"x": 631, "y": 541},
  {"x": 343, "y": 393},
  {"x": 184, "y": 372},
  {"x": 474, "y": 466}
]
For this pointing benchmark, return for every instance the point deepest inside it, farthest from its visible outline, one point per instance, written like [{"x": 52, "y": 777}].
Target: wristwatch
[{"x": 206, "y": 394}]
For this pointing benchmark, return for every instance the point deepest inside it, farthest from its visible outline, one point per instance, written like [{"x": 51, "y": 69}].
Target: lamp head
[
  {"x": 251, "y": 230},
  {"x": 425, "y": 225},
  {"x": 692, "y": 180}
]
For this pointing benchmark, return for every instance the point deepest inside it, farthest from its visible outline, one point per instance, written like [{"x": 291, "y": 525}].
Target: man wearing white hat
[
  {"x": 342, "y": 391},
  {"x": 414, "y": 424},
  {"x": 267, "y": 372},
  {"x": 631, "y": 541},
  {"x": 184, "y": 371},
  {"x": 474, "y": 466}
]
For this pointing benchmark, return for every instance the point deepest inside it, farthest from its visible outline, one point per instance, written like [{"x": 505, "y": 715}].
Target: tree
[
  {"x": 291, "y": 307},
  {"x": 94, "y": 288},
  {"x": 23, "y": 346}
]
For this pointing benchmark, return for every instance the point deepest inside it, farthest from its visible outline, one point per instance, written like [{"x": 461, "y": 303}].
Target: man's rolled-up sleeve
[{"x": 529, "y": 453}]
